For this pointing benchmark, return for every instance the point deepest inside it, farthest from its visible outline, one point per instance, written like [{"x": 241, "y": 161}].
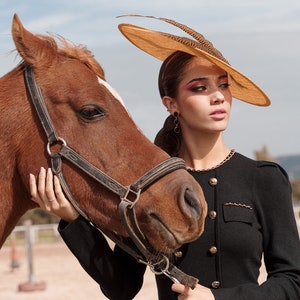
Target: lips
[{"x": 218, "y": 114}]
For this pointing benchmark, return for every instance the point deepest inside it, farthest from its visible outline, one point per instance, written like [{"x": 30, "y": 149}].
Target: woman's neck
[{"x": 204, "y": 152}]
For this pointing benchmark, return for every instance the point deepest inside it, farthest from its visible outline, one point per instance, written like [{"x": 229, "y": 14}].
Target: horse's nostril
[{"x": 191, "y": 203}]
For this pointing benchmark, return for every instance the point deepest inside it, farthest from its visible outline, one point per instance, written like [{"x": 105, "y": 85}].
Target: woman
[{"x": 250, "y": 208}]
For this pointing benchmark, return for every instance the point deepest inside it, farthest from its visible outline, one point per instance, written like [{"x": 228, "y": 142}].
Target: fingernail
[{"x": 49, "y": 171}]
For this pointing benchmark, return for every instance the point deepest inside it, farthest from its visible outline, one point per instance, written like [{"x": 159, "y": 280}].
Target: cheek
[
  {"x": 193, "y": 103},
  {"x": 228, "y": 97},
  {"x": 229, "y": 102},
  {"x": 194, "y": 109}
]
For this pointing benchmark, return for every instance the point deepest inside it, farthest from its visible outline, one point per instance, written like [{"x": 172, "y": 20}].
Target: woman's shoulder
[{"x": 264, "y": 167}]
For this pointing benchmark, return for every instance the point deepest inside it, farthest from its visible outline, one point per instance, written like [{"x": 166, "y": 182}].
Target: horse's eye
[{"x": 91, "y": 112}]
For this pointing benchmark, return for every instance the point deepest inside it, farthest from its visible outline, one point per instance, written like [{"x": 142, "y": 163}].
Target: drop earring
[{"x": 176, "y": 123}]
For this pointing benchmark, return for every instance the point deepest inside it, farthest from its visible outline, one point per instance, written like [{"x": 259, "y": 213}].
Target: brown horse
[{"x": 91, "y": 118}]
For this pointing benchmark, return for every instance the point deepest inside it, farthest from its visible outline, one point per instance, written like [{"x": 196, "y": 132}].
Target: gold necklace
[{"x": 227, "y": 158}]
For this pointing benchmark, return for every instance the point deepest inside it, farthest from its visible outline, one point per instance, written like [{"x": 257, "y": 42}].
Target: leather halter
[{"x": 129, "y": 195}]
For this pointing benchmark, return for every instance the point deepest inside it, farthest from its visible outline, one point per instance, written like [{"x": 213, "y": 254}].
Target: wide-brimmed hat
[{"x": 161, "y": 45}]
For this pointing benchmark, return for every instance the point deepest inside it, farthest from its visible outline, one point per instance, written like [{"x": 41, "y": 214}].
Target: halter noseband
[{"x": 129, "y": 195}]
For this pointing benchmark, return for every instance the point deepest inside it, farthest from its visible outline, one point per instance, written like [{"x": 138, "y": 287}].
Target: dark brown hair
[{"x": 170, "y": 75}]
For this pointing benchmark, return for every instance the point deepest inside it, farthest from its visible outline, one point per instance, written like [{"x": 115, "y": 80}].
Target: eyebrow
[{"x": 205, "y": 78}]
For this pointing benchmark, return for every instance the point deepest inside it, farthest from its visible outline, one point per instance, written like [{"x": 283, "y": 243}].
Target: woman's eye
[
  {"x": 200, "y": 88},
  {"x": 224, "y": 85},
  {"x": 91, "y": 112}
]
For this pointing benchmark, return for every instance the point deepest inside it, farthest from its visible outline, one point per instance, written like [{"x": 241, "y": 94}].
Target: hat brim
[{"x": 161, "y": 45}]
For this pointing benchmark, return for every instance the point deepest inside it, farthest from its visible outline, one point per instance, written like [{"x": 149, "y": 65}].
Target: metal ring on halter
[
  {"x": 162, "y": 271},
  {"x": 59, "y": 139}
]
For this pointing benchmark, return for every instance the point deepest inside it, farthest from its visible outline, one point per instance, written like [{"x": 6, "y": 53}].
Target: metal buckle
[{"x": 135, "y": 195}]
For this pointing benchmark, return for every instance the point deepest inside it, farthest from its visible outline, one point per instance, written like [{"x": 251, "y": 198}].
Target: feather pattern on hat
[{"x": 202, "y": 44}]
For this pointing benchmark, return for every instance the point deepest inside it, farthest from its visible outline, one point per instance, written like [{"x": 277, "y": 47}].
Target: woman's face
[{"x": 203, "y": 100}]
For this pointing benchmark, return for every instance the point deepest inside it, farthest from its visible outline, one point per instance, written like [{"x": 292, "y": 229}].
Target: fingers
[
  {"x": 180, "y": 288},
  {"x": 60, "y": 197},
  {"x": 46, "y": 191},
  {"x": 41, "y": 189},
  {"x": 33, "y": 189},
  {"x": 46, "y": 185},
  {"x": 200, "y": 292},
  {"x": 41, "y": 182}
]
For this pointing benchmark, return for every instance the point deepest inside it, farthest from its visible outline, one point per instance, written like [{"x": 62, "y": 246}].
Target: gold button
[
  {"x": 178, "y": 253},
  {"x": 213, "y": 250},
  {"x": 215, "y": 284},
  {"x": 213, "y": 181},
  {"x": 212, "y": 214}
]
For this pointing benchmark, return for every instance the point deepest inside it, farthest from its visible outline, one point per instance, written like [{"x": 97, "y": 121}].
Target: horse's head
[{"x": 89, "y": 115}]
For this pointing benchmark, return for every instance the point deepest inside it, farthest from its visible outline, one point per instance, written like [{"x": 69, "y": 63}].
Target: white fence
[{"x": 38, "y": 233}]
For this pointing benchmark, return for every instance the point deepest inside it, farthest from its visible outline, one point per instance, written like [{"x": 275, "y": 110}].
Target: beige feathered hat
[{"x": 161, "y": 45}]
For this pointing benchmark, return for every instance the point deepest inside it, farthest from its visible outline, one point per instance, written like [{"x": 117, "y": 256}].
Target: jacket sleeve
[
  {"x": 280, "y": 240},
  {"x": 119, "y": 275}
]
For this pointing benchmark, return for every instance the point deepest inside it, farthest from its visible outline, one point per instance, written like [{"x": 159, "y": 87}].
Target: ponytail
[{"x": 167, "y": 139}]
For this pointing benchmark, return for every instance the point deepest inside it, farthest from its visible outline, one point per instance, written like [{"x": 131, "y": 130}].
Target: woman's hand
[
  {"x": 47, "y": 193},
  {"x": 199, "y": 293}
]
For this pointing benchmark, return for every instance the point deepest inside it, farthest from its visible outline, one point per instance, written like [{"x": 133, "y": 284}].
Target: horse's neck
[
  {"x": 13, "y": 204},
  {"x": 14, "y": 199},
  {"x": 13, "y": 196}
]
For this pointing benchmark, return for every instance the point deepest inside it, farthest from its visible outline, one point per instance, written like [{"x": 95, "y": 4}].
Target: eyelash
[
  {"x": 225, "y": 85},
  {"x": 203, "y": 88}
]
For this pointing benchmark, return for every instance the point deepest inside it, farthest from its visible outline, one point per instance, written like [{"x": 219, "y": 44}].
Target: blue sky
[{"x": 260, "y": 38}]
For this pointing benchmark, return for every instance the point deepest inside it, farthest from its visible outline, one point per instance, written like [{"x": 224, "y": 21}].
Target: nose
[
  {"x": 217, "y": 97},
  {"x": 190, "y": 204}
]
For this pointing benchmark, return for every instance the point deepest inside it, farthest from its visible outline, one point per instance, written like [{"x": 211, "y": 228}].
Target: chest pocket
[{"x": 238, "y": 212}]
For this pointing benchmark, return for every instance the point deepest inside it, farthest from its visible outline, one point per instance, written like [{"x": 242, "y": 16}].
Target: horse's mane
[{"x": 68, "y": 49}]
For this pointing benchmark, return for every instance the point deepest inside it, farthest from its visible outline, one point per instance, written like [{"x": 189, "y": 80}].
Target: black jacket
[{"x": 250, "y": 214}]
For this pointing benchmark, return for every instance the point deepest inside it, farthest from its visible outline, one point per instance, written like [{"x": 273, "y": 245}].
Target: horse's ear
[{"x": 32, "y": 49}]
